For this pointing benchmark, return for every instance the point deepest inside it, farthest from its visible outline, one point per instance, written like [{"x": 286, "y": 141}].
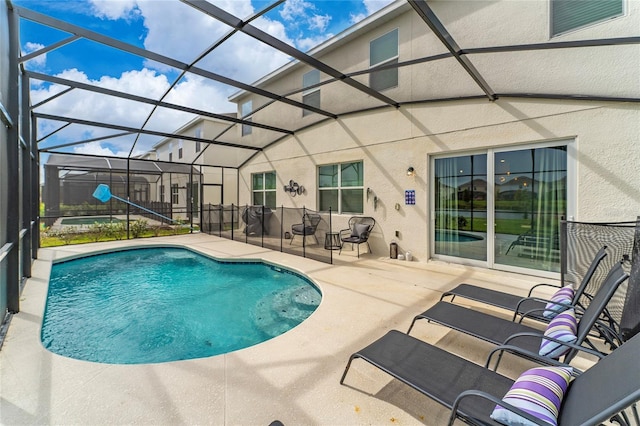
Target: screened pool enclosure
[{"x": 506, "y": 203}]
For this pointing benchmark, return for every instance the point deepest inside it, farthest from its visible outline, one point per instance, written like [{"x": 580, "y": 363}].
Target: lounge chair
[
  {"x": 518, "y": 304},
  {"x": 308, "y": 226},
  {"x": 500, "y": 331},
  {"x": 472, "y": 391},
  {"x": 358, "y": 232}
]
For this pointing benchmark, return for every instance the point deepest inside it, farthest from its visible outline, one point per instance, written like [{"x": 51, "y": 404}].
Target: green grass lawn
[{"x": 88, "y": 237}]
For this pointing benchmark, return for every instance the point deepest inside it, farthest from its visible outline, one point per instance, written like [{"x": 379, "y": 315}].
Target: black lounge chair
[
  {"x": 500, "y": 331},
  {"x": 472, "y": 391},
  {"x": 308, "y": 227},
  {"x": 358, "y": 232},
  {"x": 522, "y": 305}
]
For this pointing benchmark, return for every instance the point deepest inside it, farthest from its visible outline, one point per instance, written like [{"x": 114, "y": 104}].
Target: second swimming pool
[{"x": 163, "y": 304}]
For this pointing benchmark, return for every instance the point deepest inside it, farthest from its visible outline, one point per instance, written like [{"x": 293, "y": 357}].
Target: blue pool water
[
  {"x": 456, "y": 236},
  {"x": 163, "y": 304}
]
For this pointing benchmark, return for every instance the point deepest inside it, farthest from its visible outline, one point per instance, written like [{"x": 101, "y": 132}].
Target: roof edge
[{"x": 388, "y": 12}]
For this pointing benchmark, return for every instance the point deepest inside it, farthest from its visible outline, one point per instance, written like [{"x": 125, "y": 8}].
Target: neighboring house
[
  {"x": 211, "y": 185},
  {"x": 584, "y": 149}
]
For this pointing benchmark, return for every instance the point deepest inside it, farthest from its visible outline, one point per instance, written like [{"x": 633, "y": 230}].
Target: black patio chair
[
  {"x": 533, "y": 306},
  {"x": 500, "y": 331},
  {"x": 307, "y": 228},
  {"x": 472, "y": 391},
  {"x": 358, "y": 232}
]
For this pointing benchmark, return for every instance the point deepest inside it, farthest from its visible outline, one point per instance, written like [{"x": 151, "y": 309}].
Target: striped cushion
[
  {"x": 564, "y": 328},
  {"x": 559, "y": 301},
  {"x": 539, "y": 392}
]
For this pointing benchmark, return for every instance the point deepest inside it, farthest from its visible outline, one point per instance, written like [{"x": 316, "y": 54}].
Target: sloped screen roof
[
  {"x": 82, "y": 162},
  {"x": 457, "y": 67}
]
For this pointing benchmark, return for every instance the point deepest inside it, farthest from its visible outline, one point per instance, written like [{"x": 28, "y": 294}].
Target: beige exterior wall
[
  {"x": 603, "y": 152},
  {"x": 472, "y": 24},
  {"x": 604, "y": 157}
]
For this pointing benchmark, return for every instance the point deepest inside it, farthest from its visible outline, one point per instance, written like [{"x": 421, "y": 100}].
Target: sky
[{"x": 173, "y": 29}]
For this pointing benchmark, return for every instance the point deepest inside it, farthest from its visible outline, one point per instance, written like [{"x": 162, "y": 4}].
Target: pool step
[{"x": 285, "y": 309}]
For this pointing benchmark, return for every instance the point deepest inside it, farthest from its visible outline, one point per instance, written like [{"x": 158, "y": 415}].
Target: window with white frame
[
  {"x": 384, "y": 51},
  {"x": 311, "y": 96},
  {"x": 180, "y": 148},
  {"x": 198, "y": 134},
  {"x": 162, "y": 193},
  {"x": 245, "y": 110},
  {"x": 263, "y": 187},
  {"x": 174, "y": 194},
  {"x": 567, "y": 15},
  {"x": 341, "y": 187}
]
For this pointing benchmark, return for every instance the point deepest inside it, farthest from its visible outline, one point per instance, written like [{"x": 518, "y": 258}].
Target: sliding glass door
[
  {"x": 530, "y": 200},
  {"x": 461, "y": 206},
  {"x": 501, "y": 207}
]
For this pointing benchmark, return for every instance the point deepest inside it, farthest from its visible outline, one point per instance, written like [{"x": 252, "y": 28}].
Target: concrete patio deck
[{"x": 293, "y": 378}]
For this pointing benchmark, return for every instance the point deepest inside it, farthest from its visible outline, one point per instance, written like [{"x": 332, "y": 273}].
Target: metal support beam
[
  {"x": 101, "y": 138},
  {"x": 142, "y": 99},
  {"x": 620, "y": 41},
  {"x": 49, "y": 48},
  {"x": 258, "y": 34},
  {"x": 12, "y": 173},
  {"x": 134, "y": 50},
  {"x": 195, "y": 61},
  {"x": 135, "y": 130},
  {"x": 35, "y": 187},
  {"x": 424, "y": 11},
  {"x": 26, "y": 175}
]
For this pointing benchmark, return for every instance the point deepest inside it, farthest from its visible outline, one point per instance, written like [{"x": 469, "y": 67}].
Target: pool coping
[{"x": 293, "y": 378}]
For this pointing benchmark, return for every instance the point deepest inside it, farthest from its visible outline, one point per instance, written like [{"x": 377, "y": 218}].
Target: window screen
[{"x": 567, "y": 15}]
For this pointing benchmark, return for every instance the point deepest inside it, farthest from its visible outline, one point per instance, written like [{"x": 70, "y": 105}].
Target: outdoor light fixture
[
  {"x": 411, "y": 171},
  {"x": 293, "y": 188}
]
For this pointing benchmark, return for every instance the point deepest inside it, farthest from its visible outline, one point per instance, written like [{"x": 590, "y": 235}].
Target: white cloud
[
  {"x": 176, "y": 30},
  {"x": 294, "y": 9},
  {"x": 319, "y": 22},
  {"x": 39, "y": 61},
  {"x": 236, "y": 58},
  {"x": 375, "y": 5},
  {"x": 95, "y": 148},
  {"x": 307, "y": 43},
  {"x": 354, "y": 18},
  {"x": 114, "y": 9},
  {"x": 197, "y": 93}
]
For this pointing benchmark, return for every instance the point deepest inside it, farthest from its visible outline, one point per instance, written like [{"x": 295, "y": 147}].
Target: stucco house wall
[
  {"x": 602, "y": 136},
  {"x": 603, "y": 148}
]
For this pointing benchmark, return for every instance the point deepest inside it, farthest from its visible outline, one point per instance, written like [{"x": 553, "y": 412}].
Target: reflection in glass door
[
  {"x": 461, "y": 206},
  {"x": 530, "y": 201},
  {"x": 522, "y": 205}
]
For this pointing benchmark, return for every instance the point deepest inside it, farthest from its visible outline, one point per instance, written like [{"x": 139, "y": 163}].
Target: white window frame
[
  {"x": 245, "y": 110},
  {"x": 386, "y": 61},
  {"x": 553, "y": 34},
  {"x": 491, "y": 159},
  {"x": 198, "y": 134},
  {"x": 264, "y": 190},
  {"x": 175, "y": 193},
  {"x": 340, "y": 187},
  {"x": 312, "y": 91}
]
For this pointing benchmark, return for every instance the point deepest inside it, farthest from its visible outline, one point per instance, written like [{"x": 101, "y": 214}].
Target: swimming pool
[
  {"x": 88, "y": 220},
  {"x": 456, "y": 236},
  {"x": 162, "y": 304}
]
